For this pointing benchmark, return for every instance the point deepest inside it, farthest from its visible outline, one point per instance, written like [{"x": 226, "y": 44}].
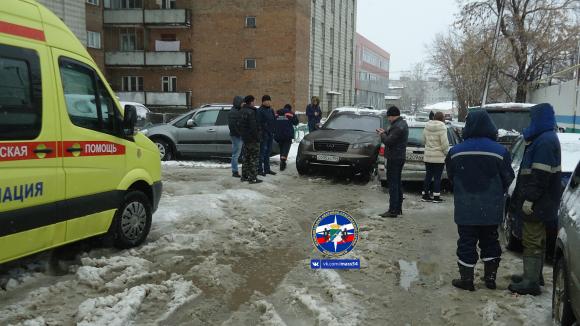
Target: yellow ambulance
[{"x": 71, "y": 164}]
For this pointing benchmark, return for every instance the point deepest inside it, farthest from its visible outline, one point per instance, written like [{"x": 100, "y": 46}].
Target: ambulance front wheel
[{"x": 132, "y": 221}]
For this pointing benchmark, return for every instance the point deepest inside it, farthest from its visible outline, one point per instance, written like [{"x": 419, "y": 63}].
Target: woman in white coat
[{"x": 436, "y": 148}]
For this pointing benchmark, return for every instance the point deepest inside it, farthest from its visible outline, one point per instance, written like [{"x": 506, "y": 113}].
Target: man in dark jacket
[
  {"x": 395, "y": 140},
  {"x": 314, "y": 114},
  {"x": 266, "y": 120},
  {"x": 251, "y": 133},
  {"x": 537, "y": 195},
  {"x": 284, "y": 132},
  {"x": 233, "y": 123},
  {"x": 481, "y": 172}
]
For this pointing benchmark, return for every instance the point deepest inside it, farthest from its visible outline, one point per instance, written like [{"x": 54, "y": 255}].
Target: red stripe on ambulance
[
  {"x": 91, "y": 148},
  {"x": 26, "y": 151},
  {"x": 23, "y": 31}
]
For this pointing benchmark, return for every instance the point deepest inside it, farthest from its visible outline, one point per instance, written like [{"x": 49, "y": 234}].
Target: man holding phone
[{"x": 395, "y": 140}]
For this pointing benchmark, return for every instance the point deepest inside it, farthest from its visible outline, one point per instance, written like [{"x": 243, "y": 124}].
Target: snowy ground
[{"x": 223, "y": 252}]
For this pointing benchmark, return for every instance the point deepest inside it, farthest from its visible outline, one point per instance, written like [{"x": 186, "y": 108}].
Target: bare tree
[
  {"x": 413, "y": 96},
  {"x": 538, "y": 34}
]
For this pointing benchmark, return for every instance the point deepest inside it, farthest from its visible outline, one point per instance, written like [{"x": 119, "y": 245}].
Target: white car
[{"x": 414, "y": 168}]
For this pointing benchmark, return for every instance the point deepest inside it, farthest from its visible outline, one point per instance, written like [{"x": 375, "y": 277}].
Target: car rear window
[
  {"x": 510, "y": 120},
  {"x": 416, "y": 136},
  {"x": 367, "y": 123}
]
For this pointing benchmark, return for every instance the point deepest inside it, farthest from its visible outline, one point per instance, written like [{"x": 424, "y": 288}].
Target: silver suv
[
  {"x": 202, "y": 132},
  {"x": 566, "y": 294}
]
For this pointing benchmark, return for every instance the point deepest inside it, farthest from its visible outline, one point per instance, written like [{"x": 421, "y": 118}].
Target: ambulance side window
[
  {"x": 88, "y": 103},
  {"x": 20, "y": 94}
]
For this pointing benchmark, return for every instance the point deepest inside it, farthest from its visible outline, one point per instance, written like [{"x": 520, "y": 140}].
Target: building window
[
  {"x": 322, "y": 62},
  {"x": 251, "y": 22},
  {"x": 168, "y": 4},
  {"x": 93, "y": 2},
  {"x": 169, "y": 83},
  {"x": 93, "y": 40},
  {"x": 332, "y": 6},
  {"x": 332, "y": 36},
  {"x": 128, "y": 4},
  {"x": 128, "y": 39},
  {"x": 132, "y": 84},
  {"x": 250, "y": 64}
]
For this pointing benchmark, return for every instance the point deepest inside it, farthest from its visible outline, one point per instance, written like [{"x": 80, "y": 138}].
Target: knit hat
[
  {"x": 288, "y": 107},
  {"x": 266, "y": 98},
  {"x": 393, "y": 111}
]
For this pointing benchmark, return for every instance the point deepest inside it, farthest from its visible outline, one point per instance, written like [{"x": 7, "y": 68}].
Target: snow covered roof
[
  {"x": 509, "y": 105},
  {"x": 333, "y": 93},
  {"x": 358, "y": 110},
  {"x": 441, "y": 106},
  {"x": 392, "y": 98}
]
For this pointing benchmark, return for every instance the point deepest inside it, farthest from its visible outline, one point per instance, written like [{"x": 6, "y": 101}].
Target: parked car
[
  {"x": 510, "y": 119},
  {"x": 203, "y": 132},
  {"x": 414, "y": 168},
  {"x": 347, "y": 140},
  {"x": 566, "y": 293},
  {"x": 143, "y": 114},
  {"x": 512, "y": 225}
]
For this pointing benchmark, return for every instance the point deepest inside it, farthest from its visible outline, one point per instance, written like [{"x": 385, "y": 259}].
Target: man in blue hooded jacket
[
  {"x": 537, "y": 195},
  {"x": 481, "y": 172}
]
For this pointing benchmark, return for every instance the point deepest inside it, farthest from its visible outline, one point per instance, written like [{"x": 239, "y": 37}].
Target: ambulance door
[
  {"x": 93, "y": 149},
  {"x": 31, "y": 175}
]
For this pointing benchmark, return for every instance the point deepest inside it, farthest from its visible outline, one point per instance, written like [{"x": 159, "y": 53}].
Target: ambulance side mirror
[{"x": 129, "y": 120}]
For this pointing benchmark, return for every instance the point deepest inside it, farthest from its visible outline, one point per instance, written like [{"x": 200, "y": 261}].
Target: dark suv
[
  {"x": 348, "y": 139},
  {"x": 510, "y": 119}
]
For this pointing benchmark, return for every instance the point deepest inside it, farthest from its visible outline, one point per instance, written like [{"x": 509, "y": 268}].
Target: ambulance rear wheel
[{"x": 132, "y": 221}]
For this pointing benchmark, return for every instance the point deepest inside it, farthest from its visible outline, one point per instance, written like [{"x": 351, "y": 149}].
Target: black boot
[
  {"x": 282, "y": 165},
  {"x": 490, "y": 271},
  {"x": 426, "y": 198},
  {"x": 466, "y": 280}
]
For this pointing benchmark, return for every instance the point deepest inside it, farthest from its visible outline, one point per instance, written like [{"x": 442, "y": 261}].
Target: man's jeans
[
  {"x": 265, "y": 152},
  {"x": 237, "y": 144},
  {"x": 394, "y": 170}
]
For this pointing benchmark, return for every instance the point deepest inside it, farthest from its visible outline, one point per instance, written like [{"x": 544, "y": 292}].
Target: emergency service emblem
[{"x": 335, "y": 233}]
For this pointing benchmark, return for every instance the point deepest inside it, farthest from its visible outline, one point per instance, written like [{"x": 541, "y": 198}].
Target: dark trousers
[
  {"x": 434, "y": 172},
  {"x": 284, "y": 148},
  {"x": 394, "y": 170},
  {"x": 250, "y": 161},
  {"x": 469, "y": 237},
  {"x": 265, "y": 152}
]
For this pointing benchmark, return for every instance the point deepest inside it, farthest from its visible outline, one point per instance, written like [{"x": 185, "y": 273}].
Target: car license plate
[
  {"x": 414, "y": 157},
  {"x": 327, "y": 158}
]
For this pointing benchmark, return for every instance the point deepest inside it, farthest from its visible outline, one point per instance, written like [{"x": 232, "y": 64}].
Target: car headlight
[
  {"x": 144, "y": 131},
  {"x": 361, "y": 145},
  {"x": 306, "y": 142}
]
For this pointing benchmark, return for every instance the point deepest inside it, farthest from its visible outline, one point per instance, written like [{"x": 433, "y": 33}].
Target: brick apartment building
[
  {"x": 178, "y": 54},
  {"x": 372, "y": 73}
]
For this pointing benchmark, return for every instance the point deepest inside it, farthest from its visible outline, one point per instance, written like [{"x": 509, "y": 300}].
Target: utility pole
[{"x": 493, "y": 52}]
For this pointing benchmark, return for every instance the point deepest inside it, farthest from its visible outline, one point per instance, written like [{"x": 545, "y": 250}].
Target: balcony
[
  {"x": 157, "y": 99},
  {"x": 151, "y": 17},
  {"x": 123, "y": 16},
  {"x": 148, "y": 59}
]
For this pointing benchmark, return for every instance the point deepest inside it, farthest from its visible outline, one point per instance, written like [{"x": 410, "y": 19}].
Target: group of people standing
[
  {"x": 253, "y": 131},
  {"x": 481, "y": 172}
]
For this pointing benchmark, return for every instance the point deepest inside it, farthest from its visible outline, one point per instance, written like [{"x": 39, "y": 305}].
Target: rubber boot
[
  {"x": 283, "y": 165},
  {"x": 530, "y": 283},
  {"x": 519, "y": 278},
  {"x": 466, "y": 280},
  {"x": 490, "y": 273}
]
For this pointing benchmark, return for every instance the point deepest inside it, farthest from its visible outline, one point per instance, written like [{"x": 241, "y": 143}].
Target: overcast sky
[{"x": 404, "y": 27}]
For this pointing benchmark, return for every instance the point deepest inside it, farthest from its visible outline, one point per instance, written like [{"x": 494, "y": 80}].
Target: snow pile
[
  {"x": 114, "y": 272},
  {"x": 196, "y": 164},
  {"x": 506, "y": 133},
  {"x": 113, "y": 310},
  {"x": 441, "y": 106},
  {"x": 217, "y": 275},
  {"x": 409, "y": 273},
  {"x": 183, "y": 292}
]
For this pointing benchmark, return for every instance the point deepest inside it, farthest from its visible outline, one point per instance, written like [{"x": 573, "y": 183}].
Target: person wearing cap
[
  {"x": 266, "y": 120},
  {"x": 481, "y": 171},
  {"x": 251, "y": 133},
  {"x": 284, "y": 132},
  {"x": 395, "y": 140},
  {"x": 314, "y": 114},
  {"x": 537, "y": 195}
]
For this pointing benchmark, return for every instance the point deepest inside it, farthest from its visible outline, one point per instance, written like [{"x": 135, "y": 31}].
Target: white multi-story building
[
  {"x": 72, "y": 12},
  {"x": 332, "y": 40}
]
